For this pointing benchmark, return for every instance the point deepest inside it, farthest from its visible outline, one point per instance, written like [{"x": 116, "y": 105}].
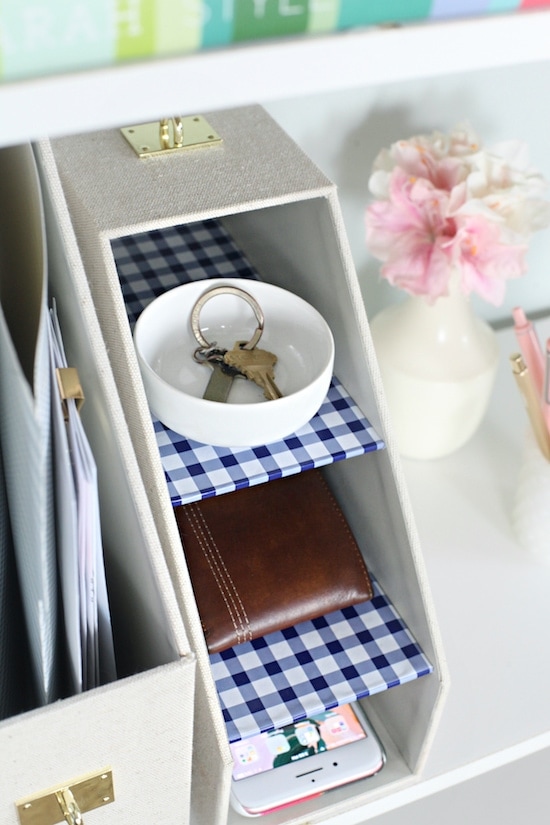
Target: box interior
[
  {"x": 292, "y": 245},
  {"x": 147, "y": 628},
  {"x": 128, "y": 725}
]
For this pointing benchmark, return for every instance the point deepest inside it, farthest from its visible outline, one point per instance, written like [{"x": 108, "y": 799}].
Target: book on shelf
[{"x": 41, "y": 38}]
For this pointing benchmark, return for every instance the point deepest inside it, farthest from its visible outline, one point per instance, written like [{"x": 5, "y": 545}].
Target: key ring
[{"x": 226, "y": 290}]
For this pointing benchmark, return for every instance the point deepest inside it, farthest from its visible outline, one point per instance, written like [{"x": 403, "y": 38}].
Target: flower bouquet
[
  {"x": 444, "y": 203},
  {"x": 450, "y": 218}
]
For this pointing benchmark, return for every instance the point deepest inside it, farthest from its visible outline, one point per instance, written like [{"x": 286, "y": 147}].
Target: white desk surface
[{"x": 491, "y": 597}]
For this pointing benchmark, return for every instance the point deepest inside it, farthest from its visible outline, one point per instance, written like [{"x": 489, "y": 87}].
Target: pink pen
[
  {"x": 546, "y": 393},
  {"x": 530, "y": 348}
]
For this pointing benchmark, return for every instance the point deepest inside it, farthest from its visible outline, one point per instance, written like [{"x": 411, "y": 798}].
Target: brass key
[
  {"x": 221, "y": 380},
  {"x": 257, "y": 365}
]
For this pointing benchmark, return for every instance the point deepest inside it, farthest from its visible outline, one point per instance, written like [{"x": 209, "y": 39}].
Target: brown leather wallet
[{"x": 269, "y": 556}]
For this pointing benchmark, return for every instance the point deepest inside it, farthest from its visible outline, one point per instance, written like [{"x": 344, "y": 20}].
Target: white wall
[{"x": 343, "y": 131}]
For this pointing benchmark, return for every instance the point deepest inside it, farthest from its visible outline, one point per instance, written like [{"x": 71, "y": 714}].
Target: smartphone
[{"x": 302, "y": 760}]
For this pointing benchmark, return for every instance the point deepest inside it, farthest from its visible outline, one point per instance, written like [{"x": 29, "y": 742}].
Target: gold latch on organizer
[
  {"x": 170, "y": 135},
  {"x": 69, "y": 386},
  {"x": 68, "y": 802}
]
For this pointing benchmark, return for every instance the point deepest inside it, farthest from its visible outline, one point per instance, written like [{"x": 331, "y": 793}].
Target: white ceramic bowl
[{"x": 174, "y": 382}]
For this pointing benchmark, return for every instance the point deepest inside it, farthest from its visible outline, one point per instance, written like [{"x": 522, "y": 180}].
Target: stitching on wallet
[{"x": 221, "y": 574}]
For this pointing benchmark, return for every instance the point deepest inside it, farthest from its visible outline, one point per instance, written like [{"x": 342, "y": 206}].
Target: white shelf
[
  {"x": 266, "y": 71},
  {"x": 491, "y": 598},
  {"x": 492, "y": 603}
]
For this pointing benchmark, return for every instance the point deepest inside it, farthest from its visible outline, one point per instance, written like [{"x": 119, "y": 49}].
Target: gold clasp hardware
[
  {"x": 68, "y": 802},
  {"x": 69, "y": 807},
  {"x": 69, "y": 386},
  {"x": 170, "y": 135}
]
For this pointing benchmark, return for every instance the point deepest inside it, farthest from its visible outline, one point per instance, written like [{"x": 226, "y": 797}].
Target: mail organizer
[
  {"x": 256, "y": 191},
  {"x": 101, "y": 750},
  {"x": 196, "y": 471}
]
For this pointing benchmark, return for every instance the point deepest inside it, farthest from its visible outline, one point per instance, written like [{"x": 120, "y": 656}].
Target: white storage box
[
  {"x": 283, "y": 213},
  {"x": 138, "y": 729}
]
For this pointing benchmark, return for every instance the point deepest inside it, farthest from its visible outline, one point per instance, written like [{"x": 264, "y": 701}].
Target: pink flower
[
  {"x": 439, "y": 158},
  {"x": 410, "y": 232},
  {"x": 443, "y": 203},
  {"x": 416, "y": 159},
  {"x": 485, "y": 263}
]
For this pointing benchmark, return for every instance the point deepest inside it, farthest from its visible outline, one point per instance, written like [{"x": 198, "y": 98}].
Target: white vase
[{"x": 438, "y": 364}]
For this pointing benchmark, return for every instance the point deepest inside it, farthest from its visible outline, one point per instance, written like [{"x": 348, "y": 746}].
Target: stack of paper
[
  {"x": 53, "y": 596},
  {"x": 80, "y": 550}
]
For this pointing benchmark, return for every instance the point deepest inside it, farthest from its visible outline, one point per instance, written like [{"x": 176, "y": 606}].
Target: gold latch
[
  {"x": 68, "y": 384},
  {"x": 170, "y": 135},
  {"x": 68, "y": 802}
]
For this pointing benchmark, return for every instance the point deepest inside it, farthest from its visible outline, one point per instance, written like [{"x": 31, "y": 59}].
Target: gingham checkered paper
[
  {"x": 150, "y": 263},
  {"x": 315, "y": 665},
  {"x": 193, "y": 471}
]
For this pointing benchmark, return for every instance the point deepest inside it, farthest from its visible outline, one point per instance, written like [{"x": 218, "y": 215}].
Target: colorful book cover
[
  {"x": 458, "y": 8},
  {"x": 353, "y": 13},
  {"x": 503, "y": 5},
  {"x": 41, "y": 37},
  {"x": 44, "y": 37},
  {"x": 269, "y": 18}
]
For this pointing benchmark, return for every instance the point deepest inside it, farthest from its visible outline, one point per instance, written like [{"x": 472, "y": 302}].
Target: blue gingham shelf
[
  {"x": 315, "y": 665},
  {"x": 193, "y": 470},
  {"x": 152, "y": 262}
]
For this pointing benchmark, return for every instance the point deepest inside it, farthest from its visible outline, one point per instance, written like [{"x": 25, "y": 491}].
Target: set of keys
[{"x": 245, "y": 360}]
